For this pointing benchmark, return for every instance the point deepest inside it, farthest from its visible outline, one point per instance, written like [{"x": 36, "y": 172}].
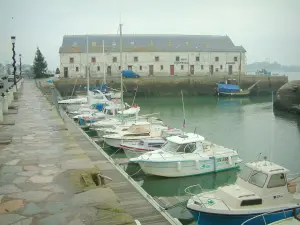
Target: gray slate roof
[{"x": 150, "y": 43}]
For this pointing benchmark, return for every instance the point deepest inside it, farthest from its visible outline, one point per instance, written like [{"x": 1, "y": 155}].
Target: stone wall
[
  {"x": 288, "y": 97},
  {"x": 171, "y": 86}
]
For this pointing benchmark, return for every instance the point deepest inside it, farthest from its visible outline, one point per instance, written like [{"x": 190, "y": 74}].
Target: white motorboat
[
  {"x": 137, "y": 131},
  {"x": 94, "y": 97},
  {"x": 186, "y": 155},
  {"x": 136, "y": 148},
  {"x": 113, "y": 126},
  {"x": 261, "y": 187}
]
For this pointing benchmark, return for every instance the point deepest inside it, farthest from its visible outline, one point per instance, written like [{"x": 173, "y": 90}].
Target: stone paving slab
[{"x": 34, "y": 167}]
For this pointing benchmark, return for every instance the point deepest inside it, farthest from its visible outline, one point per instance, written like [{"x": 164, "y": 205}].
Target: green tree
[
  {"x": 57, "y": 71},
  {"x": 39, "y": 65}
]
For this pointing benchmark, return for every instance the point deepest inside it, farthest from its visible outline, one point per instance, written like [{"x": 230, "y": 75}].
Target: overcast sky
[{"x": 266, "y": 28}]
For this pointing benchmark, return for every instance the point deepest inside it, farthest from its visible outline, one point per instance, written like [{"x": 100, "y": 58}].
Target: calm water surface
[{"x": 248, "y": 125}]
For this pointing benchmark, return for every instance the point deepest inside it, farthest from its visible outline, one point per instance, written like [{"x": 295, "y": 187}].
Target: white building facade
[{"x": 151, "y": 55}]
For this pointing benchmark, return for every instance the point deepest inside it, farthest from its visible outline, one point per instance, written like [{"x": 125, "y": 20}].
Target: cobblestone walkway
[{"x": 40, "y": 172}]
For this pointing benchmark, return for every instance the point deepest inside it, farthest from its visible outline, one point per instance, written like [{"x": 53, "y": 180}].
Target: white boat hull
[
  {"x": 113, "y": 142},
  {"x": 130, "y": 153},
  {"x": 185, "y": 168}
]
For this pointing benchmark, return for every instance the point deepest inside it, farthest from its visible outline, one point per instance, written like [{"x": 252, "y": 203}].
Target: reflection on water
[{"x": 248, "y": 125}]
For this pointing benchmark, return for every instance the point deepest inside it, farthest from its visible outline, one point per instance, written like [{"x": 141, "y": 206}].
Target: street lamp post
[
  {"x": 13, "y": 41},
  {"x": 20, "y": 55}
]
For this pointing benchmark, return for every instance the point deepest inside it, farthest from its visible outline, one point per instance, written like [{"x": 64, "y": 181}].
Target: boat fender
[
  {"x": 197, "y": 164},
  {"x": 230, "y": 160},
  {"x": 179, "y": 166}
]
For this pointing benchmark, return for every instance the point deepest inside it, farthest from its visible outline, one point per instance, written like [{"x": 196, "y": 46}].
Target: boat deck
[{"x": 132, "y": 197}]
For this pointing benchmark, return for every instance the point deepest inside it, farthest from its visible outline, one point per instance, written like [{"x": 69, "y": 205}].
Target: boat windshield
[
  {"x": 245, "y": 173},
  {"x": 258, "y": 178},
  {"x": 170, "y": 147},
  {"x": 183, "y": 148}
]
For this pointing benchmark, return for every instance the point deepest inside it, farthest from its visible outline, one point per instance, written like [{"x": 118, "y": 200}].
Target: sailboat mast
[
  {"x": 121, "y": 69},
  {"x": 87, "y": 69},
  {"x": 104, "y": 63},
  {"x": 183, "y": 109},
  {"x": 240, "y": 68}
]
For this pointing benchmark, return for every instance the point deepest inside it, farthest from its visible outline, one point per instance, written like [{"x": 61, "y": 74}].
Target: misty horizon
[{"x": 267, "y": 29}]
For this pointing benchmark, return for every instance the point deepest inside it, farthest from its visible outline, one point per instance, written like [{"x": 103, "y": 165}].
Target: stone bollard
[
  {"x": 4, "y": 103},
  {"x": 11, "y": 95},
  {"x": 1, "y": 112},
  {"x": 8, "y": 97}
]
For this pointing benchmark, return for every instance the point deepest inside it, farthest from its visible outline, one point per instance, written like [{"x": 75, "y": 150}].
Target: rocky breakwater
[
  {"x": 288, "y": 97},
  {"x": 172, "y": 85}
]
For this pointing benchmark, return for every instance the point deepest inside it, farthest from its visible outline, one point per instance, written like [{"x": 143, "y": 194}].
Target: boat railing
[
  {"x": 210, "y": 200},
  {"x": 263, "y": 216}
]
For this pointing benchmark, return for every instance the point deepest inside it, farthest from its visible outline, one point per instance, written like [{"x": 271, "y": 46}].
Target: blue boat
[
  {"x": 230, "y": 88},
  {"x": 261, "y": 187}
]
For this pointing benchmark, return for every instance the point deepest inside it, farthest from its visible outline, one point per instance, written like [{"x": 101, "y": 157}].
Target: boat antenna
[
  {"x": 87, "y": 69},
  {"x": 104, "y": 63},
  {"x": 121, "y": 66},
  {"x": 240, "y": 68},
  {"x": 259, "y": 155},
  {"x": 183, "y": 125},
  {"x": 135, "y": 94}
]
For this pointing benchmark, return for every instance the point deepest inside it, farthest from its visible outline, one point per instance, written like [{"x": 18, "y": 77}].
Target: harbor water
[{"x": 248, "y": 125}]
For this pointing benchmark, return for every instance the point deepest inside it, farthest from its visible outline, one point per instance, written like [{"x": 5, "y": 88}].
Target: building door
[
  {"x": 211, "y": 69},
  {"x": 171, "y": 69},
  {"x": 66, "y": 72},
  {"x": 109, "y": 70},
  {"x": 192, "y": 69},
  {"x": 151, "y": 70},
  {"x": 130, "y": 67},
  {"x": 230, "y": 69}
]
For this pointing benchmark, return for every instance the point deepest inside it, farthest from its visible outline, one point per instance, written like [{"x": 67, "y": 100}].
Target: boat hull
[
  {"x": 184, "y": 168},
  {"x": 116, "y": 143},
  {"x": 130, "y": 153},
  {"x": 204, "y": 218},
  {"x": 234, "y": 94}
]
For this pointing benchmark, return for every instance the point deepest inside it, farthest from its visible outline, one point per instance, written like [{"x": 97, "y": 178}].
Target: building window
[
  {"x": 217, "y": 70},
  {"x": 182, "y": 67},
  {"x": 77, "y": 69},
  {"x": 119, "y": 67},
  {"x": 177, "y": 58},
  {"x": 115, "y": 59},
  {"x": 141, "y": 68},
  {"x": 93, "y": 59},
  {"x": 221, "y": 67},
  {"x": 235, "y": 59},
  {"x": 98, "y": 68},
  {"x": 161, "y": 67},
  {"x": 197, "y": 58},
  {"x": 156, "y": 58},
  {"x": 72, "y": 60},
  {"x": 202, "y": 67},
  {"x": 136, "y": 59},
  {"x": 217, "y": 59}
]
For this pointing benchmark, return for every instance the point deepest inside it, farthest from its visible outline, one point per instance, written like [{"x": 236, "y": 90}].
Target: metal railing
[
  {"x": 265, "y": 214},
  {"x": 209, "y": 202}
]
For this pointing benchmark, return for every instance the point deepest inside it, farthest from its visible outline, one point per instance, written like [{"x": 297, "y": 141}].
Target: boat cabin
[
  {"x": 261, "y": 183},
  {"x": 185, "y": 143},
  {"x": 151, "y": 142}
]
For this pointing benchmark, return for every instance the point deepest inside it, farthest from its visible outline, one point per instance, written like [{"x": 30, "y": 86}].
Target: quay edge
[{"x": 172, "y": 85}]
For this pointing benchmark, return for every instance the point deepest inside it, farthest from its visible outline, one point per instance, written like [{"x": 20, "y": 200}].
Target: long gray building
[{"x": 146, "y": 55}]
